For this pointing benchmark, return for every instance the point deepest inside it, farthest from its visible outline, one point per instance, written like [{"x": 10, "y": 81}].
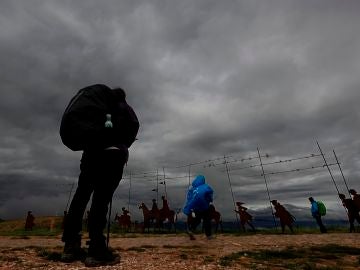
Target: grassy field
[{"x": 265, "y": 249}]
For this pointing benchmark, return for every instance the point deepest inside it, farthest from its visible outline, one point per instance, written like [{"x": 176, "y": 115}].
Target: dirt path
[{"x": 178, "y": 252}]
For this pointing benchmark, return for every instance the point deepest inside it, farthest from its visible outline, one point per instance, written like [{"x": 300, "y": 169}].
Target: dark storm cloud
[{"x": 207, "y": 79}]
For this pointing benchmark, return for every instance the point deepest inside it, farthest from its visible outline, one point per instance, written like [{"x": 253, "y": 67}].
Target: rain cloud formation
[{"x": 212, "y": 83}]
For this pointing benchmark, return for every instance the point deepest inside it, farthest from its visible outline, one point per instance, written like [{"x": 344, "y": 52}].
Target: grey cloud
[{"x": 206, "y": 79}]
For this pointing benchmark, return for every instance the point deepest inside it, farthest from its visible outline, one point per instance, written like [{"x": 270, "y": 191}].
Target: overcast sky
[{"x": 207, "y": 79}]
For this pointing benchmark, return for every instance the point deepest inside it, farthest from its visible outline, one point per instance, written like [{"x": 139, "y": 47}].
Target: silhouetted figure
[
  {"x": 166, "y": 213},
  {"x": 155, "y": 212},
  {"x": 216, "y": 216},
  {"x": 165, "y": 203},
  {"x": 124, "y": 220},
  {"x": 125, "y": 212},
  {"x": 286, "y": 219},
  {"x": 154, "y": 207},
  {"x": 197, "y": 205},
  {"x": 356, "y": 198},
  {"x": 149, "y": 217},
  {"x": 245, "y": 217},
  {"x": 29, "y": 223},
  {"x": 352, "y": 211},
  {"x": 104, "y": 127},
  {"x": 316, "y": 214}
]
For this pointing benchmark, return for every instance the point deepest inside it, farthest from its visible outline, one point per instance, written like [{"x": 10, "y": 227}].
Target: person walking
[
  {"x": 101, "y": 170},
  {"x": 30, "y": 221},
  {"x": 286, "y": 219},
  {"x": 197, "y": 206},
  {"x": 245, "y": 217},
  {"x": 352, "y": 211},
  {"x": 316, "y": 214},
  {"x": 355, "y": 197}
]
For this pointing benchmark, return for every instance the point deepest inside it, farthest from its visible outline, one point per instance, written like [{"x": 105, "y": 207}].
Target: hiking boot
[
  {"x": 102, "y": 258},
  {"x": 73, "y": 252}
]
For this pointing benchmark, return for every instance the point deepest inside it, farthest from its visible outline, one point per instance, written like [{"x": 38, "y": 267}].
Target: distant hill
[{"x": 51, "y": 225}]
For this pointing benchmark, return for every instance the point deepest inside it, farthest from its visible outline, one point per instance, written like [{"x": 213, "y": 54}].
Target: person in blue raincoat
[
  {"x": 316, "y": 214},
  {"x": 198, "y": 200}
]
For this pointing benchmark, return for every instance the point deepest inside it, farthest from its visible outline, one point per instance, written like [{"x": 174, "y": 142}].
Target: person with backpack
[
  {"x": 286, "y": 219},
  {"x": 317, "y": 210},
  {"x": 197, "y": 206},
  {"x": 352, "y": 211},
  {"x": 355, "y": 197},
  {"x": 98, "y": 121}
]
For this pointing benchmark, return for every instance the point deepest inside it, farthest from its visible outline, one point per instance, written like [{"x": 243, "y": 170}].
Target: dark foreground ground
[{"x": 258, "y": 251}]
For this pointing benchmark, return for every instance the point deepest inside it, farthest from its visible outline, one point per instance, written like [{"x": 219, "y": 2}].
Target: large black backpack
[{"x": 83, "y": 122}]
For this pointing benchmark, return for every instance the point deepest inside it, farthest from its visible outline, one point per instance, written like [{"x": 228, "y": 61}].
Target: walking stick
[
  {"x": 342, "y": 174},
  {"x": 332, "y": 177},
  {"x": 327, "y": 166},
  {"x": 67, "y": 204},
  {"x": 108, "y": 227},
  {"x": 266, "y": 185}
]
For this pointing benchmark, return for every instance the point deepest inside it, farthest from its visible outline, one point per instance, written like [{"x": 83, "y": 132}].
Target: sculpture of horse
[
  {"x": 150, "y": 216},
  {"x": 216, "y": 216},
  {"x": 124, "y": 220},
  {"x": 167, "y": 214}
]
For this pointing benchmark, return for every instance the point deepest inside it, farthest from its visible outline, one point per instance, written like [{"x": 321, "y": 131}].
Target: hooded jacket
[
  {"x": 314, "y": 209},
  {"x": 199, "y": 196}
]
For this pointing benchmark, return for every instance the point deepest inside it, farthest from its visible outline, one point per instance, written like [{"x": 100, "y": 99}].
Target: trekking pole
[
  {"x": 189, "y": 176},
  {"x": 67, "y": 204},
  {"x": 327, "y": 166},
  {"x": 129, "y": 191},
  {"x": 266, "y": 185},
  {"x": 164, "y": 183},
  {"x": 338, "y": 163},
  {"x": 108, "y": 226},
  {"x": 157, "y": 185},
  {"x": 332, "y": 177}
]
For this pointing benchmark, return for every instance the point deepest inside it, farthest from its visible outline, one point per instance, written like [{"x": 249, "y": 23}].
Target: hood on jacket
[{"x": 198, "y": 181}]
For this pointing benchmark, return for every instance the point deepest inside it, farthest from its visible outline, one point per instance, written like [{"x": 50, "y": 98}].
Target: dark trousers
[
  {"x": 195, "y": 221},
  {"x": 319, "y": 222},
  {"x": 243, "y": 222},
  {"x": 283, "y": 224},
  {"x": 353, "y": 215},
  {"x": 100, "y": 175}
]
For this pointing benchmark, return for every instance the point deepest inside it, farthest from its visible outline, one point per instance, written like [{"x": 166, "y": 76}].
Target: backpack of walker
[
  {"x": 322, "y": 208},
  {"x": 83, "y": 122}
]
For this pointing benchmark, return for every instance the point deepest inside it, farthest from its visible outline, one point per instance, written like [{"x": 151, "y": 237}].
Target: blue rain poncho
[
  {"x": 314, "y": 209},
  {"x": 199, "y": 196}
]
